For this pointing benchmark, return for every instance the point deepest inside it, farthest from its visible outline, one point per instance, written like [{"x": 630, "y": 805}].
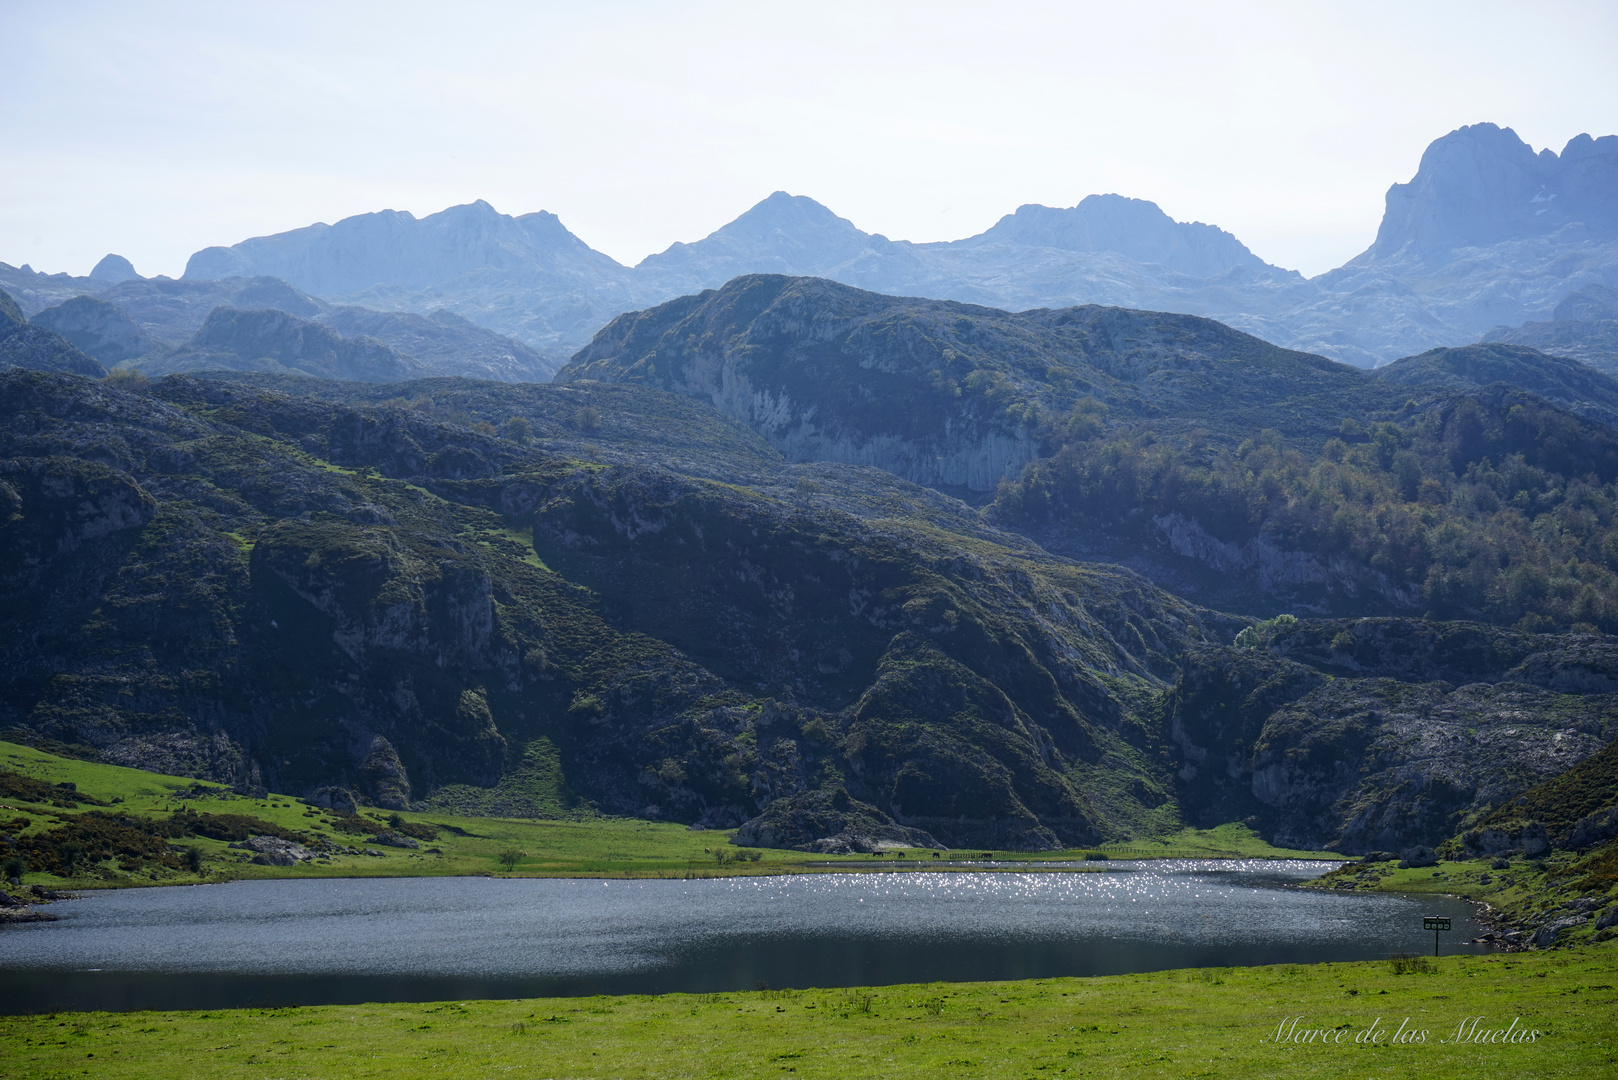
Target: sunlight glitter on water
[{"x": 576, "y": 936}]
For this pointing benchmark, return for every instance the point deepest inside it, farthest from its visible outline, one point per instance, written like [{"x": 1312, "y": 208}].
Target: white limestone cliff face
[
  {"x": 1482, "y": 185},
  {"x": 1271, "y": 568}
]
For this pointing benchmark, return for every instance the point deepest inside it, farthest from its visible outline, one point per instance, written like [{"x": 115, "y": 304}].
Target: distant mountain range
[
  {"x": 164, "y": 326},
  {"x": 1487, "y": 235}
]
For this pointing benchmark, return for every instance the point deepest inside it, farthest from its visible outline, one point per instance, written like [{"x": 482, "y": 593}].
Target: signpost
[{"x": 1435, "y": 924}]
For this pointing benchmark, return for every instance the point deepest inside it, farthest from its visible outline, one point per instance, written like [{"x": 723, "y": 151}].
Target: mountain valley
[{"x": 1091, "y": 528}]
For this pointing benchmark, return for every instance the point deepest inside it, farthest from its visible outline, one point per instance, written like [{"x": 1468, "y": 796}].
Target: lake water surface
[{"x": 427, "y": 939}]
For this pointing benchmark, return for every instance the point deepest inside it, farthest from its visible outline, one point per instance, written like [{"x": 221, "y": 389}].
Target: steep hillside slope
[
  {"x": 1247, "y": 476},
  {"x": 1383, "y": 734},
  {"x": 275, "y": 341},
  {"x": 99, "y": 329},
  {"x": 36, "y": 348},
  {"x": 226, "y": 581},
  {"x": 1578, "y": 387},
  {"x": 940, "y": 393}
]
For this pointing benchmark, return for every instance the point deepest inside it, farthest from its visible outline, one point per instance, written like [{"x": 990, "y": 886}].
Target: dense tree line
[{"x": 1493, "y": 505}]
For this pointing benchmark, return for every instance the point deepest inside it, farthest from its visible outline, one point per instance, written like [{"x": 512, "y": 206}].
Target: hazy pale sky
[{"x": 155, "y": 129}]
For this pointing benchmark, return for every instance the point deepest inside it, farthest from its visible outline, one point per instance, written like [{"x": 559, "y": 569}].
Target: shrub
[
  {"x": 1407, "y": 964},
  {"x": 127, "y": 379}
]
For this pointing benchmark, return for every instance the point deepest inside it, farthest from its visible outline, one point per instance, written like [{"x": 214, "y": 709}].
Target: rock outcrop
[
  {"x": 828, "y": 823},
  {"x": 1369, "y": 743},
  {"x": 99, "y": 329},
  {"x": 274, "y": 851},
  {"x": 114, "y": 270},
  {"x": 271, "y": 340},
  {"x": 1584, "y": 327},
  {"x": 36, "y": 348}
]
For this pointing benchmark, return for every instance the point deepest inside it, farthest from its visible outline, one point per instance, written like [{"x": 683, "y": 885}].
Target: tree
[
  {"x": 518, "y": 430},
  {"x": 510, "y": 857}
]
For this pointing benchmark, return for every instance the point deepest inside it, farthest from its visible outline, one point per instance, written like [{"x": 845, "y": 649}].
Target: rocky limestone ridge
[
  {"x": 35, "y": 348},
  {"x": 1583, "y": 327},
  {"x": 393, "y": 247},
  {"x": 526, "y": 277},
  {"x": 939, "y": 393},
  {"x": 1467, "y": 227},
  {"x": 1486, "y": 234},
  {"x": 276, "y": 341},
  {"x": 99, "y": 329},
  {"x": 444, "y": 343},
  {"x": 1134, "y": 228},
  {"x": 139, "y": 319}
]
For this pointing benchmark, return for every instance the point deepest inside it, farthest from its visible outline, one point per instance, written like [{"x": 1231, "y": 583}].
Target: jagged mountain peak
[
  {"x": 1482, "y": 184},
  {"x": 395, "y": 249},
  {"x": 782, "y": 208},
  {"x": 782, "y": 226}
]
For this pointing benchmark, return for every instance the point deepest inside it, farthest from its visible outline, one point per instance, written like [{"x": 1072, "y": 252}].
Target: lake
[{"x": 306, "y": 942}]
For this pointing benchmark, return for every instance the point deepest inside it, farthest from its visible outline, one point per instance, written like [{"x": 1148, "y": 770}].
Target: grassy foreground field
[
  {"x": 1210, "y": 1022},
  {"x": 585, "y": 847}
]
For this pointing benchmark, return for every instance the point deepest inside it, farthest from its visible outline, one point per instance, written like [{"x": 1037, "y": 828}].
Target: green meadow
[
  {"x": 577, "y": 847},
  {"x": 1377, "y": 1019}
]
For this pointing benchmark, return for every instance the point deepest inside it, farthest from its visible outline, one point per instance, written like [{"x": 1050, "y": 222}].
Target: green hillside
[
  {"x": 606, "y": 598},
  {"x": 1471, "y": 483}
]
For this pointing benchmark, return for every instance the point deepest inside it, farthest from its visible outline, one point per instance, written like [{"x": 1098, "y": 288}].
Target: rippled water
[{"x": 312, "y": 941}]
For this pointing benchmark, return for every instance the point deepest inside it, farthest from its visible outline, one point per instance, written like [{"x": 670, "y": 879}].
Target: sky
[{"x": 156, "y": 129}]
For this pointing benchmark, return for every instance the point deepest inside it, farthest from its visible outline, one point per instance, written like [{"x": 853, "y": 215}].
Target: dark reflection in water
[{"x": 357, "y": 940}]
